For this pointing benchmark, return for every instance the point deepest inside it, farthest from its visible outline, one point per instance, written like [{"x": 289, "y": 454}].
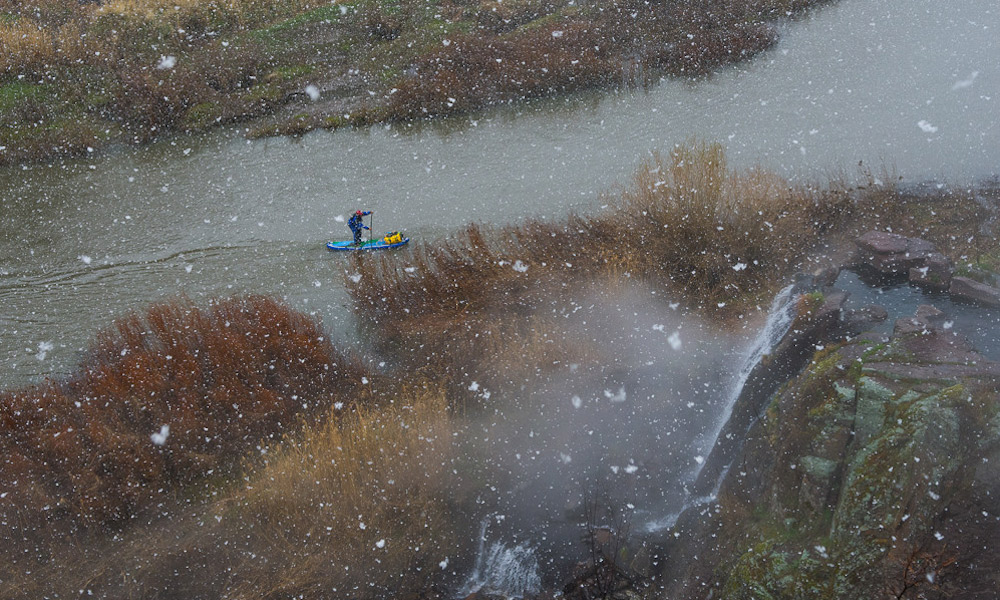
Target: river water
[{"x": 910, "y": 84}]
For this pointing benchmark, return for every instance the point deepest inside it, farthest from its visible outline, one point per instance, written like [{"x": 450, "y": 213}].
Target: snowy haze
[
  {"x": 907, "y": 84},
  {"x": 631, "y": 432}
]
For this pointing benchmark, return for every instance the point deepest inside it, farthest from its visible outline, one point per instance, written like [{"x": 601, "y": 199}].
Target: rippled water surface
[{"x": 911, "y": 84}]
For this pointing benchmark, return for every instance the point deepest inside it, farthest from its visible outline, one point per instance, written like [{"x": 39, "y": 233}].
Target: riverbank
[
  {"x": 78, "y": 78},
  {"x": 391, "y": 466}
]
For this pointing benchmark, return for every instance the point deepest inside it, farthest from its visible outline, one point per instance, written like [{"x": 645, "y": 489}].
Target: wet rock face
[
  {"x": 873, "y": 473},
  {"x": 935, "y": 273},
  {"x": 871, "y": 470},
  {"x": 817, "y": 322},
  {"x": 893, "y": 257},
  {"x": 861, "y": 319}
]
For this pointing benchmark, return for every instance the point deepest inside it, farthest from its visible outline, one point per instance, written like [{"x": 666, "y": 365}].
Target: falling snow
[
  {"x": 166, "y": 62},
  {"x": 43, "y": 350},
  {"x": 160, "y": 437}
]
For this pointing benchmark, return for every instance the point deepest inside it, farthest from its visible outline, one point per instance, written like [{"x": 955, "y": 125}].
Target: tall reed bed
[
  {"x": 163, "y": 399},
  {"x": 364, "y": 504},
  {"x": 717, "y": 240},
  {"x": 372, "y": 499}
]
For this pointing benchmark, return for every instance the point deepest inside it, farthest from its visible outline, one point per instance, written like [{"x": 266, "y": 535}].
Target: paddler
[{"x": 357, "y": 223}]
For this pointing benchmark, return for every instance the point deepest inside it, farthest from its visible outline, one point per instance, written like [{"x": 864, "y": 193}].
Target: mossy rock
[
  {"x": 264, "y": 93},
  {"x": 869, "y": 413},
  {"x": 818, "y": 467},
  {"x": 770, "y": 571},
  {"x": 336, "y": 121},
  {"x": 289, "y": 73}
]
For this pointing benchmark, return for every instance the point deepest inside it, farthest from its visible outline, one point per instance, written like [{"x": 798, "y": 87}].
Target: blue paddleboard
[{"x": 376, "y": 244}]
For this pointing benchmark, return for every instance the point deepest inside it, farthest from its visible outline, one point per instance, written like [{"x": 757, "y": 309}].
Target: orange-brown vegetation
[
  {"x": 224, "y": 379},
  {"x": 375, "y": 496},
  {"x": 715, "y": 239},
  {"x": 75, "y": 76},
  {"x": 367, "y": 493},
  {"x": 527, "y": 50},
  {"x": 365, "y": 504},
  {"x": 129, "y": 70},
  {"x": 37, "y": 35}
]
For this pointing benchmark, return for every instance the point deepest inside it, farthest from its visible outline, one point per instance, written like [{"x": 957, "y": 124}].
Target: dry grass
[
  {"x": 25, "y": 43},
  {"x": 225, "y": 379},
  {"x": 468, "y": 309},
  {"x": 719, "y": 241},
  {"x": 370, "y": 499},
  {"x": 534, "y": 49},
  {"x": 48, "y": 32},
  {"x": 439, "y": 58},
  {"x": 716, "y": 233},
  {"x": 363, "y": 505}
]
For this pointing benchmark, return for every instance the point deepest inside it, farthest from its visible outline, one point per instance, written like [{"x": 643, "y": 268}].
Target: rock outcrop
[
  {"x": 888, "y": 256},
  {"x": 891, "y": 254},
  {"x": 873, "y": 473},
  {"x": 818, "y": 320},
  {"x": 974, "y": 291}
]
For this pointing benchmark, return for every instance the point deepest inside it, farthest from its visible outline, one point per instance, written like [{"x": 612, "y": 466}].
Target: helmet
[{"x": 358, "y": 213}]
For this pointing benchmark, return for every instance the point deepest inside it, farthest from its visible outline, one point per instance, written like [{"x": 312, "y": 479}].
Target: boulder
[
  {"x": 925, "y": 320},
  {"x": 890, "y": 254},
  {"x": 935, "y": 273},
  {"x": 825, "y": 277},
  {"x": 873, "y": 398},
  {"x": 856, "y": 320},
  {"x": 973, "y": 291},
  {"x": 930, "y": 314},
  {"x": 817, "y": 482}
]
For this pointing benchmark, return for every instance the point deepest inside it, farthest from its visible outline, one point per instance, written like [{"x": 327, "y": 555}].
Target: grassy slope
[{"x": 74, "y": 77}]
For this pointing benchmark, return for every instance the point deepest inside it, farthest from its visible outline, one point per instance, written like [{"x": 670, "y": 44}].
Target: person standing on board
[{"x": 357, "y": 223}]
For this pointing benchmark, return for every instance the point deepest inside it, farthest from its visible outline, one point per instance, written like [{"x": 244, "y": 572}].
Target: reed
[
  {"x": 475, "y": 306},
  {"x": 365, "y": 505},
  {"x": 91, "y": 451}
]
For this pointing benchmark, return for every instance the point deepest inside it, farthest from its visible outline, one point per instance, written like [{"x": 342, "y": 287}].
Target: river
[{"x": 912, "y": 85}]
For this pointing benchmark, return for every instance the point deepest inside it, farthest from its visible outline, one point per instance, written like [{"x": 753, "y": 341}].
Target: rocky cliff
[{"x": 874, "y": 472}]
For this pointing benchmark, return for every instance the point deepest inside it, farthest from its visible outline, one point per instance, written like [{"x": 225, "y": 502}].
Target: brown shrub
[
  {"x": 364, "y": 504},
  {"x": 533, "y": 49},
  {"x": 152, "y": 100},
  {"x": 718, "y": 240},
  {"x": 224, "y": 379},
  {"x": 370, "y": 499},
  {"x": 474, "y": 70}
]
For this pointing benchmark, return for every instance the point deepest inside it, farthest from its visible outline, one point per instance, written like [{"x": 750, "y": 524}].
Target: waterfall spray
[
  {"x": 779, "y": 318},
  {"x": 511, "y": 571}
]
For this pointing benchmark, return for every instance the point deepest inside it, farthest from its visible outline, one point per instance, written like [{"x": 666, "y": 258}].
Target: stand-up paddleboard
[{"x": 393, "y": 239}]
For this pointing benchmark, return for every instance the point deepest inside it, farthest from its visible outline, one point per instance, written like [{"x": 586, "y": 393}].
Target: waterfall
[
  {"x": 510, "y": 571},
  {"x": 779, "y": 318}
]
